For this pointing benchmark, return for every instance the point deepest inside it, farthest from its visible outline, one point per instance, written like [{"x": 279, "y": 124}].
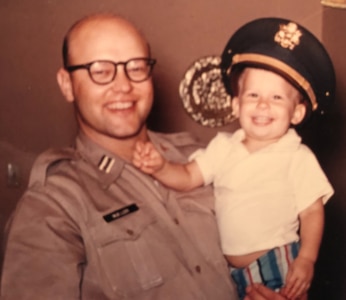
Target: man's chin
[{"x": 128, "y": 134}]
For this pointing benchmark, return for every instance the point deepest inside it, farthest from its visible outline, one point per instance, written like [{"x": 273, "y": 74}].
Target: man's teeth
[{"x": 120, "y": 105}]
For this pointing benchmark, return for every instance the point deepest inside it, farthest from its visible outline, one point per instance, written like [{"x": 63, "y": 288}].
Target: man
[{"x": 90, "y": 225}]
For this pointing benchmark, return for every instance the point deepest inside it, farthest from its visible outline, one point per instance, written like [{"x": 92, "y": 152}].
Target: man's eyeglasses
[{"x": 104, "y": 71}]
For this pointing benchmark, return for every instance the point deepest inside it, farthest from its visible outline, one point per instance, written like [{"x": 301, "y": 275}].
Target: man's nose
[{"x": 121, "y": 82}]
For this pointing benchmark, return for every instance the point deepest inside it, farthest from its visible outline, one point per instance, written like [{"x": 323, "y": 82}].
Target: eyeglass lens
[{"x": 105, "y": 71}]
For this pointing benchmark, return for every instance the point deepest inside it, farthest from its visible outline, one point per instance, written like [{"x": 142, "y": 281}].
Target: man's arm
[{"x": 43, "y": 254}]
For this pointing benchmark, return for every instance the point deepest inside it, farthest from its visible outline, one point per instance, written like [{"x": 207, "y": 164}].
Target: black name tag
[{"x": 122, "y": 212}]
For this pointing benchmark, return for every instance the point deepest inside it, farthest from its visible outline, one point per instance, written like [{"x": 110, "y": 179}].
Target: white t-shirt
[{"x": 259, "y": 195}]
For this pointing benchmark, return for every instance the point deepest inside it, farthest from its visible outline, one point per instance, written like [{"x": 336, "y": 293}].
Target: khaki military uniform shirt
[{"x": 91, "y": 226}]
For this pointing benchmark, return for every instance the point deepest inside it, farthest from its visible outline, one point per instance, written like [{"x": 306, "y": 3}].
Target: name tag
[{"x": 122, "y": 212}]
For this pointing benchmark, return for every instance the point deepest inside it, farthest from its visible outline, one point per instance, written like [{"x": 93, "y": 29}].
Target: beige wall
[{"x": 34, "y": 116}]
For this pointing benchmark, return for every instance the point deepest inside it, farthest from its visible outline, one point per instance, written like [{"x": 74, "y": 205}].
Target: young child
[{"x": 268, "y": 186}]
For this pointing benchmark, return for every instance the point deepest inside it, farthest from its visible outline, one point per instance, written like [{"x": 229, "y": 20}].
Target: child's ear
[
  {"x": 298, "y": 114},
  {"x": 65, "y": 84},
  {"x": 235, "y": 107}
]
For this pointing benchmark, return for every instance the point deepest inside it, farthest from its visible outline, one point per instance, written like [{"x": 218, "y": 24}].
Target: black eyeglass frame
[{"x": 150, "y": 62}]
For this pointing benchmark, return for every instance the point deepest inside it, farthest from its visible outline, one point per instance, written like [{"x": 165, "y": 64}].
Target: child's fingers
[
  {"x": 144, "y": 149},
  {"x": 147, "y": 148},
  {"x": 289, "y": 282},
  {"x": 136, "y": 160},
  {"x": 139, "y": 160},
  {"x": 296, "y": 287},
  {"x": 139, "y": 146},
  {"x": 135, "y": 157},
  {"x": 152, "y": 165}
]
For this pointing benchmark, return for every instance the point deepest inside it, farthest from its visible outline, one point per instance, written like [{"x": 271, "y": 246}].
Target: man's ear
[
  {"x": 65, "y": 84},
  {"x": 235, "y": 107},
  {"x": 298, "y": 114}
]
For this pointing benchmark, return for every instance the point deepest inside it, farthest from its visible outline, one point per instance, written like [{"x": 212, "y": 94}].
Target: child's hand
[
  {"x": 298, "y": 278},
  {"x": 147, "y": 158}
]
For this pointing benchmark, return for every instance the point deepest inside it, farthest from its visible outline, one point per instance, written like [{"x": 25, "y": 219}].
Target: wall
[
  {"x": 34, "y": 116},
  {"x": 331, "y": 147}
]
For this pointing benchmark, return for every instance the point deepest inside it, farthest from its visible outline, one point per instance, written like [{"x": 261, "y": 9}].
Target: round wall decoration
[{"x": 203, "y": 94}]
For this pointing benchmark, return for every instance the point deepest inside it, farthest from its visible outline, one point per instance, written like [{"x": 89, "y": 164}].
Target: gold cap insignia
[{"x": 288, "y": 36}]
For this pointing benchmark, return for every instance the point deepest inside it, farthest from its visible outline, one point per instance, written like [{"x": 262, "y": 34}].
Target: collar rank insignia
[{"x": 106, "y": 163}]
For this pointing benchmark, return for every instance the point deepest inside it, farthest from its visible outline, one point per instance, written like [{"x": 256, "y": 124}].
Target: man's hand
[{"x": 260, "y": 292}]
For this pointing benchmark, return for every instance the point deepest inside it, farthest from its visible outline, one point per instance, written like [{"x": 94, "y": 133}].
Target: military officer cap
[{"x": 284, "y": 47}]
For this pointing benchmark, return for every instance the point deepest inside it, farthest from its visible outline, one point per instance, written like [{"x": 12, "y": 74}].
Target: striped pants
[{"x": 270, "y": 269}]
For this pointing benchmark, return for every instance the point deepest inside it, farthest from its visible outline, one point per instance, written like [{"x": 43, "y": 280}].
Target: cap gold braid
[{"x": 278, "y": 64}]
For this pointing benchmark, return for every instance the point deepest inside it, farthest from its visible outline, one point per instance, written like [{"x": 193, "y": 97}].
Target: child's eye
[
  {"x": 251, "y": 95},
  {"x": 277, "y": 97}
]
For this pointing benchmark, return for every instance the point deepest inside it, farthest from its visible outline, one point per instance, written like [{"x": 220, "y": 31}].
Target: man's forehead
[
  {"x": 101, "y": 25},
  {"x": 99, "y": 32}
]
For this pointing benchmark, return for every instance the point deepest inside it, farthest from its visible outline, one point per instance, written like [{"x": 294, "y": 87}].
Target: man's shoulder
[
  {"x": 49, "y": 162},
  {"x": 181, "y": 144},
  {"x": 179, "y": 139}
]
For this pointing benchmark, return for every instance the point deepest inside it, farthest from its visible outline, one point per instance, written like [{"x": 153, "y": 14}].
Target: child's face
[{"x": 266, "y": 106}]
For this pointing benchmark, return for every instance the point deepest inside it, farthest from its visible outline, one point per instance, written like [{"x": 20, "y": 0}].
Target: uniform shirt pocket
[{"x": 125, "y": 252}]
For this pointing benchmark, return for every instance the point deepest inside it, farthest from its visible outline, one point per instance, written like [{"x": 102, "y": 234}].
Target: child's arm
[
  {"x": 182, "y": 177},
  {"x": 301, "y": 271}
]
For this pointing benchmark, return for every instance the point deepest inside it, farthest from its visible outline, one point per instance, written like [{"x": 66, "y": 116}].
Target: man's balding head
[{"x": 83, "y": 28}]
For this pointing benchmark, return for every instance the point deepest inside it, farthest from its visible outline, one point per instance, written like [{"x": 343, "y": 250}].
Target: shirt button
[
  {"x": 176, "y": 221},
  {"x": 198, "y": 269}
]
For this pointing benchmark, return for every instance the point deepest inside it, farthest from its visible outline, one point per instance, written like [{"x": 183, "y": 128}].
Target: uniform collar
[
  {"x": 168, "y": 145},
  {"x": 106, "y": 166}
]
